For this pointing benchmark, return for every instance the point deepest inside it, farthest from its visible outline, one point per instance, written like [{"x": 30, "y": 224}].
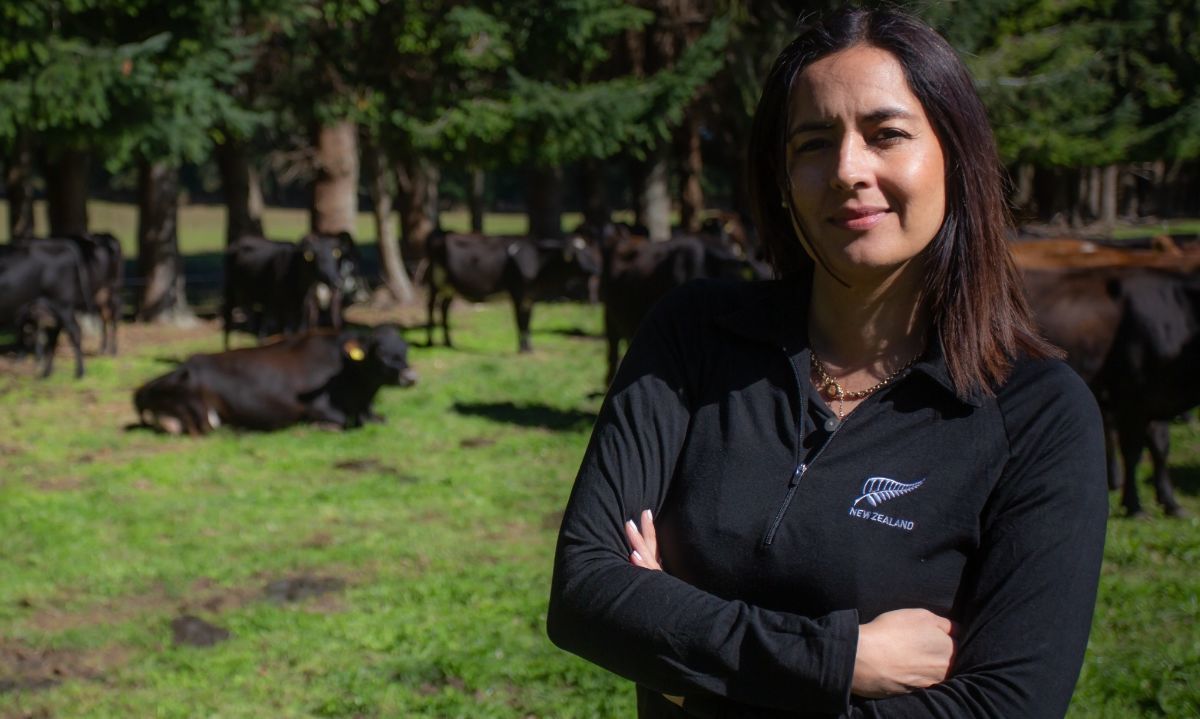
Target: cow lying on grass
[{"x": 325, "y": 377}]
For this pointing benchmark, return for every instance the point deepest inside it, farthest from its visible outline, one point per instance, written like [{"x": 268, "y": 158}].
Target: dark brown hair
[{"x": 973, "y": 289}]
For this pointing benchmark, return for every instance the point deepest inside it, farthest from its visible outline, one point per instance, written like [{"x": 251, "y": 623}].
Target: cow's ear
[{"x": 353, "y": 350}]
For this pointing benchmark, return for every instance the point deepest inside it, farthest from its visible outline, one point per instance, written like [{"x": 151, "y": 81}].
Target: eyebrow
[{"x": 874, "y": 117}]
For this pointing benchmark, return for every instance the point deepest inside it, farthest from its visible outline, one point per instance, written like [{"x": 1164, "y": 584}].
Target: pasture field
[{"x": 400, "y": 570}]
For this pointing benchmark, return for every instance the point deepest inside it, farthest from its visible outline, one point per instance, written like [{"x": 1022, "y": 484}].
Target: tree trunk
[
  {"x": 335, "y": 189},
  {"x": 1023, "y": 198},
  {"x": 691, "y": 192},
  {"x": 653, "y": 200},
  {"x": 593, "y": 188},
  {"x": 243, "y": 194},
  {"x": 476, "y": 199},
  {"x": 18, "y": 188},
  {"x": 159, "y": 263},
  {"x": 543, "y": 201},
  {"x": 395, "y": 278},
  {"x": 1109, "y": 178},
  {"x": 417, "y": 184},
  {"x": 67, "y": 192}
]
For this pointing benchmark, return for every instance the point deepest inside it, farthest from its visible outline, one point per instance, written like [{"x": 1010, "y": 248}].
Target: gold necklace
[{"x": 841, "y": 394}]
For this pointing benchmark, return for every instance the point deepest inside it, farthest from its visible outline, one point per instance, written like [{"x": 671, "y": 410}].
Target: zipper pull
[{"x": 797, "y": 475}]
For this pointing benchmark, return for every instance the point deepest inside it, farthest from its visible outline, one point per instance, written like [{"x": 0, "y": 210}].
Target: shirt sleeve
[
  {"x": 1027, "y": 603},
  {"x": 649, "y": 626}
]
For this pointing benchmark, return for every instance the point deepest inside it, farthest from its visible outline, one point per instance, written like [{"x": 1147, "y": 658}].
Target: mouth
[{"x": 858, "y": 219}]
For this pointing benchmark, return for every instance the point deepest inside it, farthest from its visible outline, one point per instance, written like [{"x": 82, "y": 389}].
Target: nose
[{"x": 852, "y": 170}]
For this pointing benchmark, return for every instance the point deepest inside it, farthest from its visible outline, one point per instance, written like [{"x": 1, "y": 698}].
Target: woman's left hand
[{"x": 644, "y": 543}]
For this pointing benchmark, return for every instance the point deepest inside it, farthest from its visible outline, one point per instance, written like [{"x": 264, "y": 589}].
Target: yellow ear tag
[{"x": 357, "y": 354}]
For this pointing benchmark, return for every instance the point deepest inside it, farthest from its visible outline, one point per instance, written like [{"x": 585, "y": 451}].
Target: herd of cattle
[{"x": 1128, "y": 317}]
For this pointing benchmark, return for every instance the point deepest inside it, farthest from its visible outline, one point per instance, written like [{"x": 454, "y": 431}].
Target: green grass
[
  {"x": 441, "y": 524},
  {"x": 202, "y": 227}
]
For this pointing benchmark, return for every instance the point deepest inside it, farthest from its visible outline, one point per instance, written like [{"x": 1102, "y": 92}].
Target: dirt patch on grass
[
  {"x": 194, "y": 631},
  {"x": 371, "y": 465},
  {"x": 28, "y": 668}
]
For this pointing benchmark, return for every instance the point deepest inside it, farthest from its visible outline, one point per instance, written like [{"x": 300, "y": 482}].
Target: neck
[{"x": 870, "y": 326}]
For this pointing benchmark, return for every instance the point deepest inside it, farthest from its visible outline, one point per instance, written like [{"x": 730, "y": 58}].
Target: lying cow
[
  {"x": 1133, "y": 334},
  {"x": 324, "y": 377},
  {"x": 50, "y": 277},
  {"x": 275, "y": 284},
  {"x": 480, "y": 266}
]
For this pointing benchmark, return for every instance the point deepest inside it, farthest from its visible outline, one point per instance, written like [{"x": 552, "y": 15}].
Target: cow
[
  {"x": 477, "y": 267},
  {"x": 1064, "y": 252},
  {"x": 46, "y": 275},
  {"x": 1133, "y": 333},
  {"x": 38, "y": 326},
  {"x": 637, "y": 272},
  {"x": 323, "y": 376},
  {"x": 105, "y": 266},
  {"x": 275, "y": 284}
]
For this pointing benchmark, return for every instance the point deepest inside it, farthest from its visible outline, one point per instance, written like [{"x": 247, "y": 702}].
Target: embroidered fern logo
[{"x": 877, "y": 490}]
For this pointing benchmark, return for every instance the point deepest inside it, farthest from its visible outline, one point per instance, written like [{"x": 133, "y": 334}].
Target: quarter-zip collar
[{"x": 777, "y": 314}]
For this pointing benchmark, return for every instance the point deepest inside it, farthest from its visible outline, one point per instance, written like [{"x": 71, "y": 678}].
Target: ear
[{"x": 353, "y": 350}]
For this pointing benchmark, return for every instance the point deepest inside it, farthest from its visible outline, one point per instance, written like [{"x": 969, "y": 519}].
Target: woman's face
[{"x": 867, "y": 173}]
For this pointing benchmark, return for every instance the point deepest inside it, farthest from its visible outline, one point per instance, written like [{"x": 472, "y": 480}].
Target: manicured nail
[
  {"x": 649, "y": 515},
  {"x": 630, "y": 524},
  {"x": 636, "y": 557}
]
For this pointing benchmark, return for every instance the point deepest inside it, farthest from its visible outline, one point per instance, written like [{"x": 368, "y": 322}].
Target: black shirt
[{"x": 989, "y": 510}]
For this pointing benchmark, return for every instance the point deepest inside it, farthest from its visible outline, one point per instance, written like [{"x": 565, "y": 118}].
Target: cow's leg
[
  {"x": 523, "y": 308},
  {"x": 446, "y": 319},
  {"x": 335, "y": 308},
  {"x": 114, "y": 315},
  {"x": 1131, "y": 438},
  {"x": 1158, "y": 436},
  {"x": 1111, "y": 442},
  {"x": 430, "y": 305},
  {"x": 73, "y": 334}
]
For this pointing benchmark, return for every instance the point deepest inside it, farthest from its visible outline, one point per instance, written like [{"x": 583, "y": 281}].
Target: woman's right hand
[{"x": 900, "y": 651}]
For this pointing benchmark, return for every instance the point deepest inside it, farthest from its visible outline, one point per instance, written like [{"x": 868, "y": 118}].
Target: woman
[{"x": 873, "y": 488}]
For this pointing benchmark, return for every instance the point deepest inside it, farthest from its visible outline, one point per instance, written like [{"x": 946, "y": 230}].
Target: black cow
[
  {"x": 1134, "y": 334},
  {"x": 275, "y": 283},
  {"x": 51, "y": 273},
  {"x": 637, "y": 272},
  {"x": 105, "y": 265},
  {"x": 480, "y": 266},
  {"x": 322, "y": 376}
]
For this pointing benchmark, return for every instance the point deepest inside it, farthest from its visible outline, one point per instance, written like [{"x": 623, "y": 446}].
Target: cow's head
[
  {"x": 321, "y": 255},
  {"x": 384, "y": 352}
]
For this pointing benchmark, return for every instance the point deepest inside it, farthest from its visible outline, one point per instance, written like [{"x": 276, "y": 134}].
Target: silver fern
[{"x": 878, "y": 490}]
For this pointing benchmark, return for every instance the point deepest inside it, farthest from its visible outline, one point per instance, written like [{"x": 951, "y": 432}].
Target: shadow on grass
[
  {"x": 1186, "y": 479},
  {"x": 576, "y": 332},
  {"x": 528, "y": 415}
]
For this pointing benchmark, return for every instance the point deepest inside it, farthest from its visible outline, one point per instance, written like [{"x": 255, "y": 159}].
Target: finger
[
  {"x": 635, "y": 540},
  {"x": 649, "y": 535}
]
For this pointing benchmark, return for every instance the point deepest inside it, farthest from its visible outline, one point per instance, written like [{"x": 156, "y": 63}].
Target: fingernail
[
  {"x": 649, "y": 515},
  {"x": 630, "y": 524},
  {"x": 636, "y": 556}
]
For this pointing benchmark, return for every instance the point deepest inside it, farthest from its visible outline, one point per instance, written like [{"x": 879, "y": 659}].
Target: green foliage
[{"x": 1084, "y": 82}]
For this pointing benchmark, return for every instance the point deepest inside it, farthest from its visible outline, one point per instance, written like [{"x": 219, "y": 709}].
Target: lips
[{"x": 858, "y": 218}]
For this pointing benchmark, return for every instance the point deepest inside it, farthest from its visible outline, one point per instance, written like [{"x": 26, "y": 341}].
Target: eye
[
  {"x": 890, "y": 136},
  {"x": 809, "y": 145},
  {"x": 308, "y": 256},
  {"x": 337, "y": 254}
]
